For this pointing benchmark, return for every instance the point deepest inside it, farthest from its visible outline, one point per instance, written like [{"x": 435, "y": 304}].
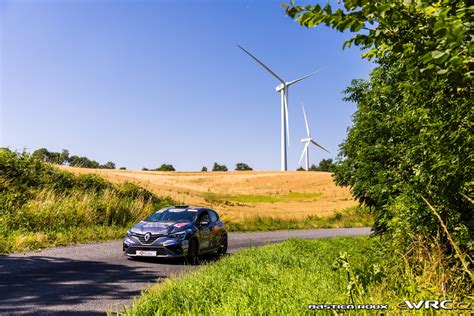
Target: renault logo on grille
[{"x": 147, "y": 237}]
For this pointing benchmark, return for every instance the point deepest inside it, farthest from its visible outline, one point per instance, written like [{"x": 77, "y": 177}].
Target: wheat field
[{"x": 237, "y": 195}]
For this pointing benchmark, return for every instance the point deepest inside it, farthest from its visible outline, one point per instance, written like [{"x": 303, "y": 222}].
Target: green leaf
[{"x": 437, "y": 54}]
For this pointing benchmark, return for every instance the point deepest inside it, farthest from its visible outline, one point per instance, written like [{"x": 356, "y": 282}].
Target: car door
[
  {"x": 215, "y": 230},
  {"x": 204, "y": 231}
]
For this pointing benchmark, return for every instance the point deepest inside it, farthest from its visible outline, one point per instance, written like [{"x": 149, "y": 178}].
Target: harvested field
[{"x": 241, "y": 194}]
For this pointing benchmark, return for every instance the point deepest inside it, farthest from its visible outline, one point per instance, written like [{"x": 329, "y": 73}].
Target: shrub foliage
[
  {"x": 412, "y": 134},
  {"x": 218, "y": 167},
  {"x": 242, "y": 167}
]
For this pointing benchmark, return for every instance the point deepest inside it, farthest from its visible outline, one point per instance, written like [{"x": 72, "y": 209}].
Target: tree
[
  {"x": 411, "y": 139},
  {"x": 436, "y": 34},
  {"x": 300, "y": 169},
  {"x": 313, "y": 167},
  {"x": 242, "y": 167},
  {"x": 64, "y": 157},
  {"x": 204, "y": 169},
  {"x": 326, "y": 165},
  {"x": 108, "y": 165},
  {"x": 218, "y": 167},
  {"x": 145, "y": 169},
  {"x": 122, "y": 168},
  {"x": 45, "y": 155},
  {"x": 165, "y": 167},
  {"x": 83, "y": 162},
  {"x": 41, "y": 154}
]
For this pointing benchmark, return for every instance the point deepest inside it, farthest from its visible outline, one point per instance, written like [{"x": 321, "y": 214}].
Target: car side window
[
  {"x": 213, "y": 215},
  {"x": 204, "y": 217}
]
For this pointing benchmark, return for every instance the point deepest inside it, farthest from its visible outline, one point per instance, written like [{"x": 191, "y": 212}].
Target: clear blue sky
[{"x": 141, "y": 83}]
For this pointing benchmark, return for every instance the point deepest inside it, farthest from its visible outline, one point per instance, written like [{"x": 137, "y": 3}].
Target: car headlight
[
  {"x": 178, "y": 236},
  {"x": 129, "y": 233}
]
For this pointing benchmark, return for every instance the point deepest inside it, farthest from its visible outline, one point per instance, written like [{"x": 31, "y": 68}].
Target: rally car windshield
[{"x": 178, "y": 216}]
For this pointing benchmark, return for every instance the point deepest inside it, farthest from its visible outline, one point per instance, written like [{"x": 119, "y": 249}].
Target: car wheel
[
  {"x": 193, "y": 252},
  {"x": 222, "y": 250}
]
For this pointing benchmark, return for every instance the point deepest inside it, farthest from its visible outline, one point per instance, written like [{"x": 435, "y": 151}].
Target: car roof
[{"x": 188, "y": 207}]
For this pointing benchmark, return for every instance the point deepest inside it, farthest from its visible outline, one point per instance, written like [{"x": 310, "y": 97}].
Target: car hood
[{"x": 159, "y": 227}]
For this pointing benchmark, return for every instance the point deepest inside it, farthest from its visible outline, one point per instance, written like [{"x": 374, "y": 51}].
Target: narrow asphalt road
[{"x": 94, "y": 278}]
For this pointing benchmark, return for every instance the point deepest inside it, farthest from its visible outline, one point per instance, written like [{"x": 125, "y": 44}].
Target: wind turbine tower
[
  {"x": 283, "y": 89},
  {"x": 308, "y": 140}
]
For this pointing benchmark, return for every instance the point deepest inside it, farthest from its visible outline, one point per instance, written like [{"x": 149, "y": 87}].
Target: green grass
[
  {"x": 215, "y": 198},
  {"x": 277, "y": 279},
  {"x": 351, "y": 217},
  {"x": 22, "y": 241},
  {"x": 282, "y": 279}
]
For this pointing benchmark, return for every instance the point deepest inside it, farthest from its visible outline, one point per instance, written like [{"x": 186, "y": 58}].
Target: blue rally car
[{"x": 177, "y": 231}]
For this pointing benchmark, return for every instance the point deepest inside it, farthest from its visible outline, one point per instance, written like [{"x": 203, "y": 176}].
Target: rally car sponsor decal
[
  {"x": 180, "y": 224},
  {"x": 155, "y": 225}
]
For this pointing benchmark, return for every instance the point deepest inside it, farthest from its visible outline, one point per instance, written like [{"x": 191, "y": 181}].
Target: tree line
[
  {"x": 324, "y": 165},
  {"x": 217, "y": 167},
  {"x": 64, "y": 158}
]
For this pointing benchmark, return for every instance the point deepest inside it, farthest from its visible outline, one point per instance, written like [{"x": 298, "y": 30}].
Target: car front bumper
[{"x": 163, "y": 248}]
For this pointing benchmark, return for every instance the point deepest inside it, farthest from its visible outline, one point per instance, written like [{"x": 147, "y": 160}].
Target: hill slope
[
  {"x": 239, "y": 195},
  {"x": 42, "y": 206}
]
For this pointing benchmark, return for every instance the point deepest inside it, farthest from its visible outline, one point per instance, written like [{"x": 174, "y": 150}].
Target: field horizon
[{"x": 239, "y": 195}]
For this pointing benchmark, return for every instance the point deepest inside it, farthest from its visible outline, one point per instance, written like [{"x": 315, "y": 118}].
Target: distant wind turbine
[
  {"x": 283, "y": 89},
  {"x": 308, "y": 140}
]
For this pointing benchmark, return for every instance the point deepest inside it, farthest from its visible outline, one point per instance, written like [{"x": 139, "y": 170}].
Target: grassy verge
[
  {"x": 42, "y": 206},
  {"x": 282, "y": 279},
  {"x": 351, "y": 217},
  {"x": 277, "y": 279},
  {"x": 21, "y": 241}
]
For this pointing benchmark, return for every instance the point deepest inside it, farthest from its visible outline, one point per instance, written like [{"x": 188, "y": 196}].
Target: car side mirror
[{"x": 204, "y": 223}]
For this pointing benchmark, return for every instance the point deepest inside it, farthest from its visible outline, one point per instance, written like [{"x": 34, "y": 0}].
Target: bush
[
  {"x": 242, "y": 167},
  {"x": 218, "y": 167},
  {"x": 165, "y": 167},
  {"x": 108, "y": 165}
]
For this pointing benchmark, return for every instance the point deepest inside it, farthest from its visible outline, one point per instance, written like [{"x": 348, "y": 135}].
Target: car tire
[
  {"x": 193, "y": 252},
  {"x": 222, "y": 250}
]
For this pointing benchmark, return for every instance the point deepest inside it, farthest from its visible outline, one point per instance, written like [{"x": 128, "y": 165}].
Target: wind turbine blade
[
  {"x": 306, "y": 121},
  {"x": 302, "y": 78},
  {"x": 262, "y": 64},
  {"x": 320, "y": 146},
  {"x": 286, "y": 117},
  {"x": 304, "y": 151}
]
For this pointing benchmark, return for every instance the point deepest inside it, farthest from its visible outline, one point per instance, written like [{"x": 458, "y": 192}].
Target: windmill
[
  {"x": 308, "y": 140},
  {"x": 283, "y": 89}
]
